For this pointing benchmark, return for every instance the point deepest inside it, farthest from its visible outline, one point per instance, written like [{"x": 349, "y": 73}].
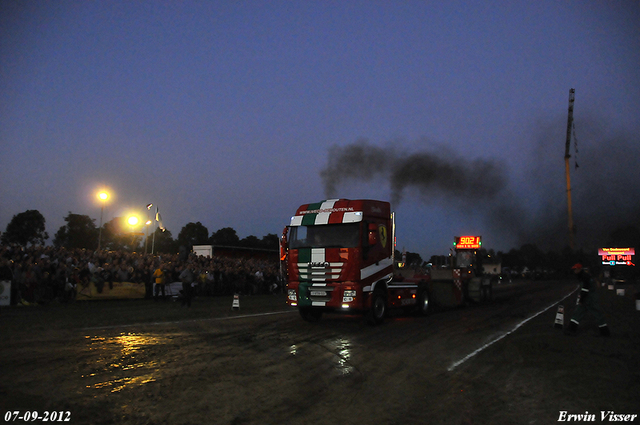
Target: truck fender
[{"x": 380, "y": 285}]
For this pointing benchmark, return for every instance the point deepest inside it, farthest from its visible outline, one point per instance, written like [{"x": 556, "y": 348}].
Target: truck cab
[{"x": 336, "y": 254}]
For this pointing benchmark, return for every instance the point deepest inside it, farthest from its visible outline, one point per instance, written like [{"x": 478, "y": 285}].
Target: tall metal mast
[{"x": 572, "y": 230}]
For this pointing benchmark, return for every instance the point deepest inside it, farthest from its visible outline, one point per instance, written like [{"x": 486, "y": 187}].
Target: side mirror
[{"x": 373, "y": 234}]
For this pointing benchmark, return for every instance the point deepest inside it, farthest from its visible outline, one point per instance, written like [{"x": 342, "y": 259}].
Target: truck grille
[{"x": 316, "y": 273}]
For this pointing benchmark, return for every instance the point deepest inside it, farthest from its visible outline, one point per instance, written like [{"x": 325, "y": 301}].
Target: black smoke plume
[
  {"x": 428, "y": 172},
  {"x": 605, "y": 189}
]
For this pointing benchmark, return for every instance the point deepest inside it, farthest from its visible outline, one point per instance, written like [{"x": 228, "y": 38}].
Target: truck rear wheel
[
  {"x": 310, "y": 314},
  {"x": 378, "y": 310}
]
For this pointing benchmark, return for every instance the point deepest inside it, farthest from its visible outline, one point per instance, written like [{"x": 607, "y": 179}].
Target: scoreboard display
[{"x": 468, "y": 242}]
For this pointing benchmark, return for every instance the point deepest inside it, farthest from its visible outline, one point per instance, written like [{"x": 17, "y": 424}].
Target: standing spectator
[
  {"x": 148, "y": 281},
  {"x": 6, "y": 276},
  {"x": 587, "y": 302},
  {"x": 71, "y": 285},
  {"x": 186, "y": 277},
  {"x": 98, "y": 280},
  {"x": 107, "y": 275},
  {"x": 18, "y": 281},
  {"x": 123, "y": 273},
  {"x": 60, "y": 280},
  {"x": 209, "y": 283},
  {"x": 200, "y": 288},
  {"x": 30, "y": 285},
  {"x": 159, "y": 276}
]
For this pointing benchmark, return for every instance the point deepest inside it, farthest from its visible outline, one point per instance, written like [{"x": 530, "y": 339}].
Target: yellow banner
[{"x": 120, "y": 290}]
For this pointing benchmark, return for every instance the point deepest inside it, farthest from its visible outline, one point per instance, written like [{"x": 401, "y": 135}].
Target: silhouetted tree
[
  {"x": 193, "y": 234},
  {"x": 163, "y": 243},
  {"x": 270, "y": 241},
  {"x": 26, "y": 228},
  {"x": 113, "y": 237},
  {"x": 531, "y": 256},
  {"x": 226, "y": 236},
  {"x": 250, "y": 242},
  {"x": 79, "y": 232}
]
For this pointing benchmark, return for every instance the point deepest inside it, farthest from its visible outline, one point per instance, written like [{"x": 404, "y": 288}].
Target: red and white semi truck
[{"x": 338, "y": 255}]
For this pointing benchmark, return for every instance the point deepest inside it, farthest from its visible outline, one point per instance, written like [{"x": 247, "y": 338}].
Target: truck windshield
[{"x": 325, "y": 236}]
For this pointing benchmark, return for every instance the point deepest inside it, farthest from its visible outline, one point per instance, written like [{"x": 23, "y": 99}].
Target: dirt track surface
[{"x": 146, "y": 362}]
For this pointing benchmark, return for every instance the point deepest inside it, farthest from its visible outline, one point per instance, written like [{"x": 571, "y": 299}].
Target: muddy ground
[{"x": 145, "y": 362}]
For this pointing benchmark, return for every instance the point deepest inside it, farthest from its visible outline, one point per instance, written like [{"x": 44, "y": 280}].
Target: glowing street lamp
[
  {"x": 146, "y": 234},
  {"x": 133, "y": 220},
  {"x": 103, "y": 196},
  {"x": 146, "y": 239}
]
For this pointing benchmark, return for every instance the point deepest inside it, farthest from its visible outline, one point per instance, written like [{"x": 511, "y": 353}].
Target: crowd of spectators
[{"x": 42, "y": 274}]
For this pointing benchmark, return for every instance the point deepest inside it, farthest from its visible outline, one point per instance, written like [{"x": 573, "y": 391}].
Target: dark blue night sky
[{"x": 228, "y": 113}]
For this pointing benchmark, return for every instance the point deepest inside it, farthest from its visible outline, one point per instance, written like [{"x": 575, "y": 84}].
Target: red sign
[
  {"x": 617, "y": 256},
  {"x": 468, "y": 242}
]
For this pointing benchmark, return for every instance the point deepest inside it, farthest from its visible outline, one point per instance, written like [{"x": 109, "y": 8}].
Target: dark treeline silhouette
[{"x": 80, "y": 231}]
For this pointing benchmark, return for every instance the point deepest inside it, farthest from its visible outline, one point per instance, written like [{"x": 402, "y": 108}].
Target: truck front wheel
[
  {"x": 310, "y": 314},
  {"x": 378, "y": 309}
]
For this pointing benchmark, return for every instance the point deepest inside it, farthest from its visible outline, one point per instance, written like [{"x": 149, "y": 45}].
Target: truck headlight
[
  {"x": 348, "y": 296},
  {"x": 291, "y": 294}
]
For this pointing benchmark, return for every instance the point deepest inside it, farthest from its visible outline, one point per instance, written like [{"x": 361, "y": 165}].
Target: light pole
[
  {"x": 132, "y": 220},
  {"x": 103, "y": 196},
  {"x": 146, "y": 240}
]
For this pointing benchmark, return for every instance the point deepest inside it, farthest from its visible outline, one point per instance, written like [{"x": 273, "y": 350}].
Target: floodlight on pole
[
  {"x": 146, "y": 233},
  {"x": 103, "y": 196},
  {"x": 146, "y": 240},
  {"x": 133, "y": 221}
]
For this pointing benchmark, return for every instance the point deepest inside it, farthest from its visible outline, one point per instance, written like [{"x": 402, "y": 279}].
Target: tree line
[{"x": 80, "y": 231}]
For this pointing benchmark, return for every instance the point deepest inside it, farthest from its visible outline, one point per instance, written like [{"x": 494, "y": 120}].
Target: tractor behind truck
[{"x": 338, "y": 255}]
